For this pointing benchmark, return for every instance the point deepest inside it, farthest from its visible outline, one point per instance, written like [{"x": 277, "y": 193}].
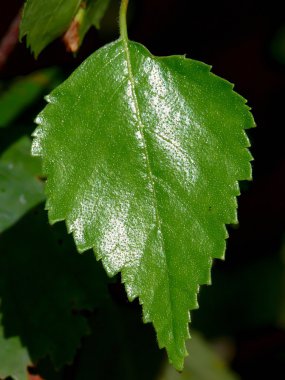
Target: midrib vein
[
  {"x": 141, "y": 130},
  {"x": 149, "y": 171}
]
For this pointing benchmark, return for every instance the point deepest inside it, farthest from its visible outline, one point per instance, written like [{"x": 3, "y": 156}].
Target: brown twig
[
  {"x": 71, "y": 37},
  {"x": 10, "y": 40}
]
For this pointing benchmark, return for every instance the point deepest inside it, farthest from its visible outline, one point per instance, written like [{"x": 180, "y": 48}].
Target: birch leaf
[{"x": 143, "y": 157}]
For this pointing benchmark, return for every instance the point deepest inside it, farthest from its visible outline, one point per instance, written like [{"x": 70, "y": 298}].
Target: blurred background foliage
[{"x": 60, "y": 315}]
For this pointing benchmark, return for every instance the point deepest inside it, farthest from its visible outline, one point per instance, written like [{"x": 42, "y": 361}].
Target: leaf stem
[{"x": 123, "y": 19}]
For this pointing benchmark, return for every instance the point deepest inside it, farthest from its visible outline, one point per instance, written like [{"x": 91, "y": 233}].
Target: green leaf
[
  {"x": 44, "y": 286},
  {"x": 14, "y": 358},
  {"x": 202, "y": 364},
  {"x": 92, "y": 16},
  {"x": 20, "y": 186},
  {"x": 22, "y": 93},
  {"x": 143, "y": 157},
  {"x": 43, "y": 21}
]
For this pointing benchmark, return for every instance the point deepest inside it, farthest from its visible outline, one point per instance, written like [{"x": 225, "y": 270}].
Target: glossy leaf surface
[
  {"x": 20, "y": 186},
  {"x": 43, "y": 21},
  {"x": 14, "y": 358},
  {"x": 143, "y": 155}
]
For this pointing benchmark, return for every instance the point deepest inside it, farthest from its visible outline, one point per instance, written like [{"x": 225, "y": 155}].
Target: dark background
[{"x": 246, "y": 300}]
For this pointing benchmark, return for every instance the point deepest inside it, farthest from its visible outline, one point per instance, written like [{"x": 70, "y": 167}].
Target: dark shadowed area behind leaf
[
  {"x": 44, "y": 283},
  {"x": 130, "y": 351},
  {"x": 119, "y": 347},
  {"x": 253, "y": 296}
]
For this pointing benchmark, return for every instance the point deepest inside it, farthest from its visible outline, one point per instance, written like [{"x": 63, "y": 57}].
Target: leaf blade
[
  {"x": 93, "y": 15},
  {"x": 14, "y": 358},
  {"x": 44, "y": 21},
  {"x": 148, "y": 187},
  {"x": 20, "y": 186}
]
